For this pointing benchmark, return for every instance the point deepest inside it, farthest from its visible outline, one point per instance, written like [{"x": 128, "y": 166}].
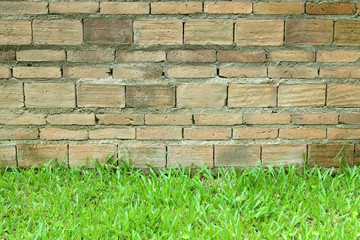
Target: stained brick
[
  {"x": 73, "y": 7},
  {"x": 86, "y": 155},
  {"x": 297, "y": 71},
  {"x": 11, "y": 95},
  {"x": 15, "y": 32},
  {"x": 120, "y": 119},
  {"x": 350, "y": 118},
  {"x": 243, "y": 71},
  {"x": 309, "y": 32},
  {"x": 71, "y": 119},
  {"x": 138, "y": 71},
  {"x": 278, "y": 8},
  {"x": 347, "y": 32},
  {"x": 112, "y": 133},
  {"x": 330, "y": 155},
  {"x": 62, "y": 134},
  {"x": 31, "y": 155},
  {"x": 315, "y": 118},
  {"x": 267, "y": 118},
  {"x": 22, "y": 7},
  {"x": 338, "y": 56},
  {"x": 252, "y": 95},
  {"x": 7, "y": 56},
  {"x": 186, "y": 156},
  {"x": 241, "y": 56},
  {"x": 301, "y": 95},
  {"x": 18, "y": 133},
  {"x": 284, "y": 154},
  {"x": 218, "y": 119},
  {"x": 86, "y": 72},
  {"x": 124, "y": 8},
  {"x": 207, "y": 133},
  {"x": 291, "y": 56},
  {"x": 7, "y": 156},
  {"x": 93, "y": 56},
  {"x": 5, "y": 72},
  {"x": 330, "y": 8},
  {"x": 176, "y": 7},
  {"x": 340, "y": 71},
  {"x": 255, "y": 133},
  {"x": 101, "y": 95},
  {"x": 168, "y": 119},
  {"x": 40, "y": 55},
  {"x": 143, "y": 156},
  {"x": 302, "y": 133},
  {"x": 343, "y": 133},
  {"x": 140, "y": 56},
  {"x": 37, "y": 72},
  {"x": 191, "y": 71},
  {"x": 163, "y": 133},
  {"x": 343, "y": 95},
  {"x": 150, "y": 96},
  {"x": 22, "y": 119},
  {"x": 223, "y": 7},
  {"x": 191, "y": 56},
  {"x": 237, "y": 155}
]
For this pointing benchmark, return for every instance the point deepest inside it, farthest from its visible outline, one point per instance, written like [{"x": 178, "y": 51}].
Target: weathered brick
[
  {"x": 140, "y": 56},
  {"x": 163, "y": 133},
  {"x": 357, "y": 148},
  {"x": 192, "y": 96},
  {"x": 301, "y": 95},
  {"x": 86, "y": 72},
  {"x": 40, "y": 55},
  {"x": 259, "y": 32},
  {"x": 347, "y": 32},
  {"x": 267, "y": 118},
  {"x": 191, "y": 56},
  {"x": 139, "y": 71},
  {"x": 285, "y": 154},
  {"x": 343, "y": 95},
  {"x": 302, "y": 133},
  {"x": 236, "y": 155},
  {"x": 210, "y": 31},
  {"x": 350, "y": 118},
  {"x": 176, "y": 7},
  {"x": 297, "y": 71},
  {"x": 18, "y": 133},
  {"x": 255, "y": 133},
  {"x": 71, "y": 119},
  {"x": 330, "y": 8},
  {"x": 207, "y": 133},
  {"x": 5, "y": 72},
  {"x": 73, "y": 7},
  {"x": 15, "y": 32},
  {"x": 143, "y": 156},
  {"x": 35, "y": 155},
  {"x": 343, "y": 133},
  {"x": 87, "y": 155},
  {"x": 191, "y": 71},
  {"x": 252, "y": 95},
  {"x": 49, "y": 95},
  {"x": 62, "y": 134},
  {"x": 57, "y": 32},
  {"x": 315, "y": 118},
  {"x": 22, "y": 7},
  {"x": 120, "y": 119},
  {"x": 186, "y": 156},
  {"x": 218, "y": 119},
  {"x": 243, "y": 71},
  {"x": 330, "y": 155},
  {"x": 150, "y": 96},
  {"x": 7, "y": 156},
  {"x": 7, "y": 55},
  {"x": 278, "y": 8},
  {"x": 340, "y": 71},
  {"x": 37, "y": 72},
  {"x": 309, "y": 32},
  {"x": 240, "y": 56},
  {"x": 338, "y": 56},
  {"x": 11, "y": 95},
  {"x": 223, "y": 7},
  {"x": 291, "y": 56},
  {"x": 101, "y": 95},
  {"x": 124, "y": 8},
  {"x": 108, "y": 31},
  {"x": 168, "y": 119},
  {"x": 22, "y": 119},
  {"x": 112, "y": 133},
  {"x": 94, "y": 56},
  {"x": 165, "y": 32}
]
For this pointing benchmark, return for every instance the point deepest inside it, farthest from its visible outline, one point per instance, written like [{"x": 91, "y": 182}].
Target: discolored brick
[
  {"x": 36, "y": 155},
  {"x": 251, "y": 95},
  {"x": 284, "y": 154},
  {"x": 101, "y": 95},
  {"x": 330, "y": 155},
  {"x": 186, "y": 156},
  {"x": 309, "y": 32},
  {"x": 87, "y": 155},
  {"x": 143, "y": 156},
  {"x": 301, "y": 95},
  {"x": 150, "y": 96},
  {"x": 236, "y": 155}
]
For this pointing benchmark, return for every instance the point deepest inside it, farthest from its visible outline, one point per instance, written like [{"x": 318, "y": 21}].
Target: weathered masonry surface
[{"x": 215, "y": 83}]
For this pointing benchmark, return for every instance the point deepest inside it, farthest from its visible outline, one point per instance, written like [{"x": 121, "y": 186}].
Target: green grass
[{"x": 122, "y": 203}]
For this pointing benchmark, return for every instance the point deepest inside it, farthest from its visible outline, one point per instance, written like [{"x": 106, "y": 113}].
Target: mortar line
[
  {"x": 68, "y": 154},
  {"x": 16, "y": 156},
  {"x": 166, "y": 155},
  {"x": 183, "y": 32},
  {"x": 213, "y": 155},
  {"x": 23, "y": 90},
  {"x": 261, "y": 154}
]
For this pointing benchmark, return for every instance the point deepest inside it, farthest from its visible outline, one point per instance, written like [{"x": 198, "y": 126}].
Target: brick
[
  {"x": 143, "y": 156},
  {"x": 285, "y": 155},
  {"x": 240, "y": 56},
  {"x": 165, "y": 32},
  {"x": 330, "y": 155},
  {"x": 15, "y": 32},
  {"x": 36, "y": 155},
  {"x": 112, "y": 133},
  {"x": 302, "y": 133},
  {"x": 22, "y": 119},
  {"x": 140, "y": 71},
  {"x": 7, "y": 56},
  {"x": 267, "y": 118},
  {"x": 207, "y": 133},
  {"x": 168, "y": 119},
  {"x": 108, "y": 31},
  {"x": 315, "y": 118},
  {"x": 301, "y": 95},
  {"x": 243, "y": 72},
  {"x": 218, "y": 119},
  {"x": 18, "y": 133},
  {"x": 120, "y": 119},
  {"x": 191, "y": 72},
  {"x": 140, "y": 56},
  {"x": 347, "y": 32},
  {"x": 57, "y": 32},
  {"x": 349, "y": 118},
  {"x": 37, "y": 72},
  {"x": 278, "y": 8},
  {"x": 163, "y": 133},
  {"x": 186, "y": 156},
  {"x": 357, "y": 148},
  {"x": 210, "y": 31},
  {"x": 259, "y": 32},
  {"x": 223, "y": 7},
  {"x": 40, "y": 55},
  {"x": 191, "y": 56},
  {"x": 101, "y": 95},
  {"x": 330, "y": 8},
  {"x": 5, "y": 72},
  {"x": 62, "y": 134},
  {"x": 49, "y": 95},
  {"x": 176, "y": 7},
  {"x": 343, "y": 95},
  {"x": 86, "y": 72},
  {"x": 236, "y": 155},
  {"x": 93, "y": 56},
  {"x": 252, "y": 95},
  {"x": 291, "y": 56},
  {"x": 73, "y": 7},
  {"x": 71, "y": 119},
  {"x": 343, "y": 133},
  {"x": 255, "y": 133},
  {"x": 87, "y": 155},
  {"x": 338, "y": 56},
  {"x": 124, "y": 8},
  {"x": 22, "y": 7},
  {"x": 340, "y": 71},
  {"x": 297, "y": 71},
  {"x": 309, "y": 32},
  {"x": 191, "y": 96},
  {"x": 7, "y": 156},
  {"x": 150, "y": 96}
]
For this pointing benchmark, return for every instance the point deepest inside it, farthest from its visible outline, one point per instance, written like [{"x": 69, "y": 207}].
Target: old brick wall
[{"x": 207, "y": 82}]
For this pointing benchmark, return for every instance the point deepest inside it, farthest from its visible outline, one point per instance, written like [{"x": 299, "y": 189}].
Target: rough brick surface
[
  {"x": 120, "y": 119},
  {"x": 347, "y": 32},
  {"x": 309, "y": 32},
  {"x": 284, "y": 71},
  {"x": 330, "y": 155},
  {"x": 223, "y": 7},
  {"x": 237, "y": 155},
  {"x": 73, "y": 7},
  {"x": 11, "y": 95},
  {"x": 255, "y": 133},
  {"x": 278, "y": 8},
  {"x": 338, "y": 56},
  {"x": 186, "y": 156},
  {"x": 243, "y": 72},
  {"x": 191, "y": 56},
  {"x": 276, "y": 155},
  {"x": 315, "y": 118},
  {"x": 305, "y": 95},
  {"x": 252, "y": 95},
  {"x": 62, "y": 134},
  {"x": 86, "y": 72},
  {"x": 22, "y": 119},
  {"x": 5, "y": 72},
  {"x": 350, "y": 118},
  {"x": 343, "y": 133},
  {"x": 340, "y": 72},
  {"x": 7, "y": 156},
  {"x": 87, "y": 155},
  {"x": 156, "y": 96},
  {"x": 112, "y": 133},
  {"x": 218, "y": 119},
  {"x": 191, "y": 72},
  {"x": 160, "y": 133},
  {"x": 143, "y": 156},
  {"x": 40, "y": 55},
  {"x": 18, "y": 133},
  {"x": 140, "y": 71},
  {"x": 99, "y": 95},
  {"x": 71, "y": 119},
  {"x": 267, "y": 118},
  {"x": 15, "y": 32},
  {"x": 140, "y": 56},
  {"x": 31, "y": 155},
  {"x": 7, "y": 56},
  {"x": 93, "y": 56},
  {"x": 37, "y": 72},
  {"x": 343, "y": 95},
  {"x": 168, "y": 119},
  {"x": 124, "y": 8},
  {"x": 330, "y": 8},
  {"x": 176, "y": 7},
  {"x": 22, "y": 7},
  {"x": 302, "y": 133},
  {"x": 207, "y": 133},
  {"x": 291, "y": 56},
  {"x": 241, "y": 56}
]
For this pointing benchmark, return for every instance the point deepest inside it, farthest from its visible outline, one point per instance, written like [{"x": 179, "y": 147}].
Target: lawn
[{"x": 123, "y": 203}]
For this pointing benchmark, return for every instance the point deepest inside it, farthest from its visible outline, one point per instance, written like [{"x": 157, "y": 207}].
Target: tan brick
[
  {"x": 94, "y": 56},
  {"x": 243, "y": 71},
  {"x": 15, "y": 32},
  {"x": 330, "y": 155},
  {"x": 101, "y": 95},
  {"x": 309, "y": 32},
  {"x": 252, "y": 95},
  {"x": 40, "y": 55},
  {"x": 22, "y": 119},
  {"x": 87, "y": 155},
  {"x": 22, "y": 7},
  {"x": 168, "y": 119},
  {"x": 285, "y": 155},
  {"x": 57, "y": 32},
  {"x": 301, "y": 95},
  {"x": 108, "y": 31},
  {"x": 120, "y": 119},
  {"x": 11, "y": 95},
  {"x": 223, "y": 7},
  {"x": 150, "y": 96},
  {"x": 36, "y": 155},
  {"x": 236, "y": 155},
  {"x": 343, "y": 95},
  {"x": 124, "y": 8},
  {"x": 186, "y": 156},
  {"x": 176, "y": 7},
  {"x": 338, "y": 56},
  {"x": 240, "y": 56},
  {"x": 191, "y": 56},
  {"x": 267, "y": 118},
  {"x": 340, "y": 71},
  {"x": 278, "y": 8},
  {"x": 73, "y": 7},
  {"x": 210, "y": 31},
  {"x": 86, "y": 72},
  {"x": 315, "y": 118},
  {"x": 302, "y": 133},
  {"x": 165, "y": 32},
  {"x": 207, "y": 133},
  {"x": 7, "y": 156},
  {"x": 343, "y": 133},
  {"x": 350, "y": 118},
  {"x": 49, "y": 95},
  {"x": 330, "y": 8},
  {"x": 112, "y": 133},
  {"x": 37, "y": 72},
  {"x": 191, "y": 71},
  {"x": 71, "y": 119},
  {"x": 18, "y": 133},
  {"x": 192, "y": 96},
  {"x": 347, "y": 32},
  {"x": 62, "y": 134},
  {"x": 259, "y": 32},
  {"x": 297, "y": 71},
  {"x": 7, "y": 55},
  {"x": 291, "y": 56},
  {"x": 143, "y": 156},
  {"x": 140, "y": 56},
  {"x": 217, "y": 119},
  {"x": 5, "y": 72},
  {"x": 255, "y": 133},
  {"x": 163, "y": 133},
  {"x": 140, "y": 71}
]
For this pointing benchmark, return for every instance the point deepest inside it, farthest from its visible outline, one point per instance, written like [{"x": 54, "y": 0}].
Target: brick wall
[{"x": 207, "y": 82}]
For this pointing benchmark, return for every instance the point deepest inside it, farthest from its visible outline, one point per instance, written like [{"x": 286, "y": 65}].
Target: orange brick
[
  {"x": 86, "y": 72},
  {"x": 11, "y": 95},
  {"x": 120, "y": 119},
  {"x": 278, "y": 8},
  {"x": 243, "y": 72},
  {"x": 71, "y": 119},
  {"x": 86, "y": 155},
  {"x": 297, "y": 71},
  {"x": 186, "y": 156},
  {"x": 302, "y": 133},
  {"x": 94, "y": 56},
  {"x": 164, "y": 133},
  {"x": 291, "y": 56},
  {"x": 191, "y": 56},
  {"x": 62, "y": 134},
  {"x": 140, "y": 56},
  {"x": 112, "y": 133},
  {"x": 340, "y": 71},
  {"x": 191, "y": 71},
  {"x": 124, "y": 8},
  {"x": 140, "y": 71},
  {"x": 168, "y": 119},
  {"x": 7, "y": 56},
  {"x": 309, "y": 32},
  {"x": 330, "y": 155},
  {"x": 218, "y": 119},
  {"x": 347, "y": 32},
  {"x": 254, "y": 133},
  {"x": 267, "y": 118},
  {"x": 143, "y": 156},
  {"x": 330, "y": 8},
  {"x": 176, "y": 7},
  {"x": 22, "y": 119},
  {"x": 259, "y": 32},
  {"x": 207, "y": 133},
  {"x": 150, "y": 96},
  {"x": 22, "y": 7},
  {"x": 35, "y": 155},
  {"x": 343, "y": 133},
  {"x": 338, "y": 56},
  {"x": 285, "y": 154},
  {"x": 223, "y": 7},
  {"x": 350, "y": 118},
  {"x": 252, "y": 95},
  {"x": 18, "y": 133},
  {"x": 101, "y": 95},
  {"x": 40, "y": 55},
  {"x": 5, "y": 72},
  {"x": 7, "y": 156},
  {"x": 301, "y": 95},
  {"x": 236, "y": 155},
  {"x": 343, "y": 95},
  {"x": 315, "y": 118},
  {"x": 73, "y": 7},
  {"x": 37, "y": 72},
  {"x": 240, "y": 56},
  {"x": 15, "y": 32}
]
